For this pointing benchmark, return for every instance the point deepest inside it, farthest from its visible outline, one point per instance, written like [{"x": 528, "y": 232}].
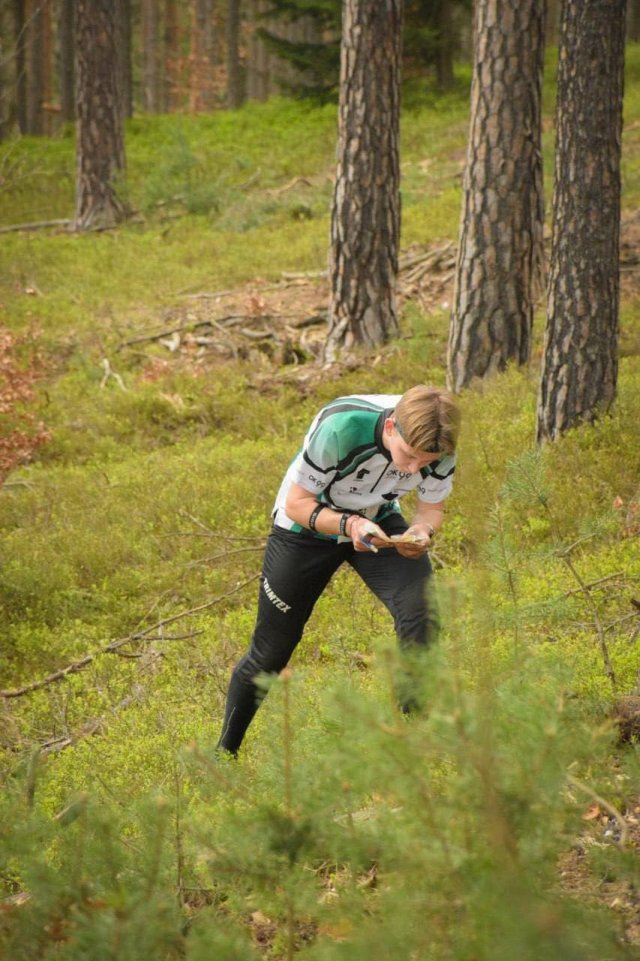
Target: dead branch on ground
[{"x": 139, "y": 636}]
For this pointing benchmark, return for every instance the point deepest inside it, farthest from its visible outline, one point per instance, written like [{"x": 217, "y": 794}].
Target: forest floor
[{"x": 174, "y": 351}]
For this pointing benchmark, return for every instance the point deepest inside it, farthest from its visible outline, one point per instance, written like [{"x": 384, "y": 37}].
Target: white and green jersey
[{"x": 344, "y": 462}]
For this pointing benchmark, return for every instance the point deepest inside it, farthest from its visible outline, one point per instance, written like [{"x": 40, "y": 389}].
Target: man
[{"x": 339, "y": 502}]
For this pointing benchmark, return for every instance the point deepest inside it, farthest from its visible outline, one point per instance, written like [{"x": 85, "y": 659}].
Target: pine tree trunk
[
  {"x": 553, "y": 22},
  {"x": 171, "y": 55},
  {"x": 100, "y": 142},
  {"x": 258, "y": 64},
  {"x": 48, "y": 108},
  {"x": 200, "y": 55},
  {"x": 67, "y": 77},
  {"x": 35, "y": 68},
  {"x": 580, "y": 364},
  {"x": 365, "y": 222},
  {"x": 633, "y": 20},
  {"x": 2, "y": 92},
  {"x": 19, "y": 14},
  {"x": 444, "y": 57},
  {"x": 124, "y": 77},
  {"x": 206, "y": 53},
  {"x": 150, "y": 85},
  {"x": 500, "y": 254},
  {"x": 234, "y": 78}
]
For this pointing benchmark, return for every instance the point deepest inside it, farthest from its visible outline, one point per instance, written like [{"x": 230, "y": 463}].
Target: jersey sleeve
[
  {"x": 436, "y": 485},
  {"x": 317, "y": 463}
]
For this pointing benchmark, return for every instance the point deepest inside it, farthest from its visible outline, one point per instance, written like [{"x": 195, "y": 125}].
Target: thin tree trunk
[
  {"x": 100, "y": 141},
  {"x": 444, "y": 57},
  {"x": 19, "y": 13},
  {"x": 553, "y": 23},
  {"x": 149, "y": 15},
  {"x": 201, "y": 57},
  {"x": 171, "y": 55},
  {"x": 206, "y": 52},
  {"x": 67, "y": 76},
  {"x": 48, "y": 108},
  {"x": 500, "y": 255},
  {"x": 2, "y": 92},
  {"x": 365, "y": 223},
  {"x": 123, "y": 50},
  {"x": 235, "y": 95},
  {"x": 580, "y": 364},
  {"x": 35, "y": 67},
  {"x": 258, "y": 65},
  {"x": 633, "y": 21}
]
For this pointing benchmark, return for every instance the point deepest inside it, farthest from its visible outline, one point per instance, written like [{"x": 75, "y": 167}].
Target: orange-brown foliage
[{"x": 20, "y": 433}]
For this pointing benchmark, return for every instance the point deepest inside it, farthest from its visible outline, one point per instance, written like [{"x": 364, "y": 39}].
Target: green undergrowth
[{"x": 130, "y": 551}]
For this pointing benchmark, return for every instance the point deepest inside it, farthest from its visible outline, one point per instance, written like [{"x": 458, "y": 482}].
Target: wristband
[
  {"x": 314, "y": 515},
  {"x": 343, "y": 524}
]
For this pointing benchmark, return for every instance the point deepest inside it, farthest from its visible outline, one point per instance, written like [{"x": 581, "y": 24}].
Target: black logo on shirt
[{"x": 361, "y": 473}]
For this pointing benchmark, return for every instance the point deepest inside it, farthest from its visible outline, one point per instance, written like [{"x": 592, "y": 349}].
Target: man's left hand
[{"x": 419, "y": 543}]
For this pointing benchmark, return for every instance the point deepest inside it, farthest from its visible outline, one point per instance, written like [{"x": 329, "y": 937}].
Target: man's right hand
[{"x": 366, "y": 535}]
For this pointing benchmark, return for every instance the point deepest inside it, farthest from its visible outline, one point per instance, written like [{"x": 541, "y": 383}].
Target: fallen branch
[
  {"x": 38, "y": 225},
  {"x": 590, "y": 584},
  {"x": 624, "y": 830},
  {"x": 276, "y": 191},
  {"x": 113, "y": 646},
  {"x": 223, "y": 554},
  {"x": 190, "y": 325},
  {"x": 304, "y": 275},
  {"x": 600, "y": 631}
]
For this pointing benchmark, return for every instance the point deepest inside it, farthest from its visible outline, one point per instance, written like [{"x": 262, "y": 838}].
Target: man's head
[{"x": 423, "y": 428}]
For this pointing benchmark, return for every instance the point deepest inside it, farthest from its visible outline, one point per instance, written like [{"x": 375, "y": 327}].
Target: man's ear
[{"x": 389, "y": 425}]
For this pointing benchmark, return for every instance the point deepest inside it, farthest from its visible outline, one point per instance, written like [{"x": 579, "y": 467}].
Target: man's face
[{"x": 404, "y": 457}]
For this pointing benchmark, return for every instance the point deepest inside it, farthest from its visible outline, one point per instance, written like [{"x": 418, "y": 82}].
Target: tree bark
[
  {"x": 365, "y": 222},
  {"x": 67, "y": 76},
  {"x": 19, "y": 14},
  {"x": 500, "y": 254},
  {"x": 235, "y": 95},
  {"x": 580, "y": 365},
  {"x": 100, "y": 142}
]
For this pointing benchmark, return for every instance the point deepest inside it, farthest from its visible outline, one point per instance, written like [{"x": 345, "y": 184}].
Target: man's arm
[
  {"x": 301, "y": 504},
  {"x": 428, "y": 516},
  {"x": 427, "y": 520}
]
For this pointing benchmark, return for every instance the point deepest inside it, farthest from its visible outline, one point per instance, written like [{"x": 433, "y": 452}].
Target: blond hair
[{"x": 428, "y": 419}]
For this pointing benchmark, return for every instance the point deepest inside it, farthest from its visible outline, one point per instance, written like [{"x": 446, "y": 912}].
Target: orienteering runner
[{"x": 338, "y": 503}]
